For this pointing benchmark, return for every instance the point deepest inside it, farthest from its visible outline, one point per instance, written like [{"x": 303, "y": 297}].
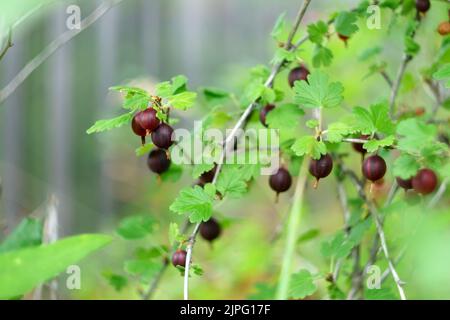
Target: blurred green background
[{"x": 97, "y": 180}]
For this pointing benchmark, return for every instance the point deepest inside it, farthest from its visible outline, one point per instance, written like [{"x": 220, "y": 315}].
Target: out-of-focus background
[{"x": 97, "y": 180}]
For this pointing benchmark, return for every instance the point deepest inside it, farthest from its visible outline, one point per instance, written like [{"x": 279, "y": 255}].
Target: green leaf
[
  {"x": 173, "y": 174},
  {"x": 214, "y": 96},
  {"x": 146, "y": 269},
  {"x": 379, "y": 294},
  {"x": 301, "y": 285},
  {"x": 338, "y": 130},
  {"x": 312, "y": 123},
  {"x": 345, "y": 23},
  {"x": 116, "y": 281},
  {"x": 144, "y": 150},
  {"x": 372, "y": 120},
  {"x": 415, "y": 134},
  {"x": 411, "y": 46},
  {"x": 308, "y": 145},
  {"x": 406, "y": 166},
  {"x": 337, "y": 247},
  {"x": 252, "y": 92},
  {"x": 318, "y": 92},
  {"x": 22, "y": 270},
  {"x": 129, "y": 90},
  {"x": 443, "y": 73},
  {"x": 164, "y": 89},
  {"x": 322, "y": 56},
  {"x": 279, "y": 29},
  {"x": 179, "y": 84},
  {"x": 369, "y": 53},
  {"x": 197, "y": 269},
  {"x": 284, "y": 116},
  {"x": 27, "y": 234},
  {"x": 308, "y": 235},
  {"x": 199, "y": 169},
  {"x": 231, "y": 182},
  {"x": 136, "y": 227},
  {"x": 317, "y": 31},
  {"x": 174, "y": 232},
  {"x": 182, "y": 101},
  {"x": 136, "y": 102},
  {"x": 195, "y": 201},
  {"x": 373, "y": 144},
  {"x": 108, "y": 124}
]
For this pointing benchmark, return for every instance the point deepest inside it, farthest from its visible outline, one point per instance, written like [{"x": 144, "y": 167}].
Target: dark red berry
[
  {"x": 207, "y": 177},
  {"x": 374, "y": 168},
  {"x": 147, "y": 119},
  {"x": 404, "y": 183},
  {"x": 298, "y": 74},
  {"x": 179, "y": 258},
  {"x": 157, "y": 161},
  {"x": 358, "y": 147},
  {"x": 425, "y": 181},
  {"x": 280, "y": 181},
  {"x": 210, "y": 230},
  {"x": 138, "y": 130},
  {"x": 422, "y": 5},
  {"x": 162, "y": 136},
  {"x": 343, "y": 38},
  {"x": 321, "y": 168},
  {"x": 263, "y": 113}
]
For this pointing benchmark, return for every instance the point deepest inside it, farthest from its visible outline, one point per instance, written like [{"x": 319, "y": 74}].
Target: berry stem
[{"x": 293, "y": 225}]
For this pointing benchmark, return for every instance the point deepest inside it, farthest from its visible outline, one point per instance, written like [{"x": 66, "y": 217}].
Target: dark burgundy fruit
[
  {"x": 422, "y": 5},
  {"x": 157, "y": 161},
  {"x": 210, "y": 230},
  {"x": 298, "y": 74},
  {"x": 147, "y": 119},
  {"x": 138, "y": 130},
  {"x": 374, "y": 168},
  {"x": 425, "y": 181},
  {"x": 263, "y": 113},
  {"x": 162, "y": 136},
  {"x": 179, "y": 258},
  {"x": 358, "y": 147},
  {"x": 280, "y": 181},
  {"x": 207, "y": 177},
  {"x": 404, "y": 183},
  {"x": 321, "y": 168},
  {"x": 343, "y": 38}
]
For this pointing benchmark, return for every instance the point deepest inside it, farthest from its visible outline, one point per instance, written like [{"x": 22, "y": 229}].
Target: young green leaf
[
  {"x": 136, "y": 227},
  {"x": 195, "y": 201},
  {"x": 374, "y": 144},
  {"x": 308, "y": 145},
  {"x": 443, "y": 73},
  {"x": 108, "y": 124},
  {"x": 27, "y": 234},
  {"x": 317, "y": 31},
  {"x": 345, "y": 23},
  {"x": 322, "y": 56},
  {"x": 182, "y": 101},
  {"x": 231, "y": 182},
  {"x": 301, "y": 285},
  {"x": 46, "y": 262},
  {"x": 284, "y": 116},
  {"x": 318, "y": 92},
  {"x": 406, "y": 166},
  {"x": 280, "y": 28}
]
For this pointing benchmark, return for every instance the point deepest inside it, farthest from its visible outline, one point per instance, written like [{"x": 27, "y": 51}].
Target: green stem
[{"x": 293, "y": 225}]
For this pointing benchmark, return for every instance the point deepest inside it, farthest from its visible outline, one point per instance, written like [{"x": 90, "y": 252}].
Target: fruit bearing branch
[{"x": 232, "y": 135}]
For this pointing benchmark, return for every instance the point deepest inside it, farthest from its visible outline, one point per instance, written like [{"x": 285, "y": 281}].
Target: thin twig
[
  {"x": 386, "y": 78},
  {"x": 34, "y": 63},
  {"x": 229, "y": 141},
  {"x": 401, "y": 71}
]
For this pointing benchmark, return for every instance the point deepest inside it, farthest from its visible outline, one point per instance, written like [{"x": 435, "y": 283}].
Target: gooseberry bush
[{"x": 397, "y": 146}]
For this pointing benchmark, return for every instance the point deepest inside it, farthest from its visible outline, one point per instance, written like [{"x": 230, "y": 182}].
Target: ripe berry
[
  {"x": 343, "y": 38},
  {"x": 179, "y": 258},
  {"x": 147, "y": 119},
  {"x": 207, "y": 177},
  {"x": 162, "y": 136},
  {"x": 138, "y": 130},
  {"x": 374, "y": 168},
  {"x": 263, "y": 113},
  {"x": 358, "y": 147},
  {"x": 425, "y": 181},
  {"x": 321, "y": 168},
  {"x": 210, "y": 230},
  {"x": 280, "y": 181},
  {"x": 297, "y": 74},
  {"x": 405, "y": 184},
  {"x": 157, "y": 161},
  {"x": 444, "y": 28},
  {"x": 422, "y": 5}
]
